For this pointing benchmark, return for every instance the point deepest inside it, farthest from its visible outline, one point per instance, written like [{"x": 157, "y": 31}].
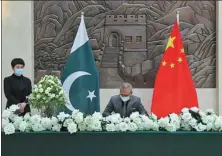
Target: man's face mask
[
  {"x": 125, "y": 98},
  {"x": 125, "y": 95}
]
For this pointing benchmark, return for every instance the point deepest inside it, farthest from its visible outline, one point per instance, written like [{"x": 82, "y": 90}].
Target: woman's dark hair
[{"x": 16, "y": 61}]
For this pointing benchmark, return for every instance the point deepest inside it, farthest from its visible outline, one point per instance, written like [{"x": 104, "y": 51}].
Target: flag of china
[{"x": 174, "y": 88}]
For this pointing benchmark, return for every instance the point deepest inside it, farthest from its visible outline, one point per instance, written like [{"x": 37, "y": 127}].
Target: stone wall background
[{"x": 56, "y": 24}]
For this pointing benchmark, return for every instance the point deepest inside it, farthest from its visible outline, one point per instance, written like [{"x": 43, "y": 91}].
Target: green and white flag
[{"x": 80, "y": 78}]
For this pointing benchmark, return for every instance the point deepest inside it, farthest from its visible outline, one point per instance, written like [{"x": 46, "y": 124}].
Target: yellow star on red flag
[
  {"x": 164, "y": 63},
  {"x": 172, "y": 65},
  {"x": 170, "y": 42},
  {"x": 179, "y": 59},
  {"x": 182, "y": 50}
]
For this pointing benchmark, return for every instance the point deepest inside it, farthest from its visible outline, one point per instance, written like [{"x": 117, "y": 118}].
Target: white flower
[
  {"x": 28, "y": 126},
  {"x": 52, "y": 95},
  {"x": 185, "y": 126},
  {"x": 82, "y": 126},
  {"x": 97, "y": 115},
  {"x": 74, "y": 112},
  {"x": 218, "y": 124},
  {"x": 203, "y": 116},
  {"x": 72, "y": 127},
  {"x": 155, "y": 126},
  {"x": 38, "y": 96},
  {"x": 210, "y": 111},
  {"x": 9, "y": 129},
  {"x": 12, "y": 117},
  {"x": 40, "y": 90},
  {"x": 163, "y": 122},
  {"x": 13, "y": 108},
  {"x": 114, "y": 118},
  {"x": 78, "y": 117},
  {"x": 138, "y": 122},
  {"x": 67, "y": 122},
  {"x": 175, "y": 120},
  {"x": 145, "y": 118},
  {"x": 87, "y": 120},
  {"x": 194, "y": 109},
  {"x": 132, "y": 127},
  {"x": 27, "y": 116},
  {"x": 62, "y": 116},
  {"x": 54, "y": 120},
  {"x": 4, "y": 122},
  {"x": 193, "y": 122},
  {"x": 200, "y": 127},
  {"x": 148, "y": 124},
  {"x": 37, "y": 127},
  {"x": 6, "y": 114},
  {"x": 51, "y": 81},
  {"x": 46, "y": 123},
  {"x": 173, "y": 117},
  {"x": 17, "y": 121},
  {"x": 185, "y": 110},
  {"x": 110, "y": 127},
  {"x": 61, "y": 92},
  {"x": 96, "y": 125},
  {"x": 153, "y": 117},
  {"x": 186, "y": 116},
  {"x": 35, "y": 119},
  {"x": 210, "y": 118},
  {"x": 202, "y": 113},
  {"x": 134, "y": 115},
  {"x": 56, "y": 127},
  {"x": 123, "y": 127},
  {"x": 126, "y": 120},
  {"x": 46, "y": 91},
  {"x": 36, "y": 90},
  {"x": 209, "y": 126},
  {"x": 171, "y": 127},
  {"x": 22, "y": 126}
]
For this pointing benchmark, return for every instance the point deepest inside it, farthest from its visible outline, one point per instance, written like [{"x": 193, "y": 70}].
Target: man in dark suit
[{"x": 125, "y": 103}]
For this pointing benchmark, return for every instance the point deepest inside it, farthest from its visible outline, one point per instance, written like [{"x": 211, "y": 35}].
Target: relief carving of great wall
[{"x": 127, "y": 37}]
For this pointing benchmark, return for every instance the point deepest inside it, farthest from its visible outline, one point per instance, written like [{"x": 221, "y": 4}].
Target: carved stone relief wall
[{"x": 128, "y": 38}]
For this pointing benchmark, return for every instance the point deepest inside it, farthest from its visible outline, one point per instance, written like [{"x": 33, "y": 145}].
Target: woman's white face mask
[{"x": 19, "y": 72}]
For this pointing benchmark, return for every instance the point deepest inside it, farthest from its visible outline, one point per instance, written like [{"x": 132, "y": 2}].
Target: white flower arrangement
[
  {"x": 47, "y": 94},
  {"x": 191, "y": 119}
]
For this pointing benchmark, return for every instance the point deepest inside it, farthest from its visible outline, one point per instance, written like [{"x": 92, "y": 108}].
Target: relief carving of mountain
[{"x": 56, "y": 24}]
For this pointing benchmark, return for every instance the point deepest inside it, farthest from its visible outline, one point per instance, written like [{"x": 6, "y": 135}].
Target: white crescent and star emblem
[
  {"x": 68, "y": 83},
  {"x": 91, "y": 95}
]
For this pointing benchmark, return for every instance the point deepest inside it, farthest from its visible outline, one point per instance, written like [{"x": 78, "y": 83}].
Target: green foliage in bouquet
[{"x": 48, "y": 95}]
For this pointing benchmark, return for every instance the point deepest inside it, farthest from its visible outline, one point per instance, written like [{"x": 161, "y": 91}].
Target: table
[{"x": 113, "y": 144}]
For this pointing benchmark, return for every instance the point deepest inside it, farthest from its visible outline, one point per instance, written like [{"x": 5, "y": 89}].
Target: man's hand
[{"x": 22, "y": 107}]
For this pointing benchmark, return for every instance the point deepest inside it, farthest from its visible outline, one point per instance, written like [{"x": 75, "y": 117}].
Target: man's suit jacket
[{"x": 116, "y": 105}]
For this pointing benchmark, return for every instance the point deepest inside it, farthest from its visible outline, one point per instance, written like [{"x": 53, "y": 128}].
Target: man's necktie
[{"x": 124, "y": 109}]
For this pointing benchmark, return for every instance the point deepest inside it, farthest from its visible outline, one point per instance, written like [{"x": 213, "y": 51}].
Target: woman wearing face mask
[{"x": 17, "y": 87}]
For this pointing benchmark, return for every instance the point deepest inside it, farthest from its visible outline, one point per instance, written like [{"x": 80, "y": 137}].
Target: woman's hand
[{"x": 22, "y": 107}]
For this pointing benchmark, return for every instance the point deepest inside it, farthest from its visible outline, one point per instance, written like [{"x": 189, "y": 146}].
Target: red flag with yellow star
[{"x": 174, "y": 88}]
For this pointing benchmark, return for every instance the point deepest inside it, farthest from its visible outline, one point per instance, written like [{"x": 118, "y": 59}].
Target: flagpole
[
  {"x": 82, "y": 14},
  {"x": 178, "y": 17}
]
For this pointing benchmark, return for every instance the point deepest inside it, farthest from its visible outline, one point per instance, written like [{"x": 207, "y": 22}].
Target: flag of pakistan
[{"x": 80, "y": 77}]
